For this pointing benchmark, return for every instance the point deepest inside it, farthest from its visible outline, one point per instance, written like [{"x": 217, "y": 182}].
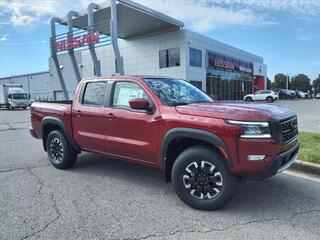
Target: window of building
[
  {"x": 195, "y": 57},
  {"x": 94, "y": 94},
  {"x": 169, "y": 58},
  {"x": 197, "y": 84},
  {"x": 124, "y": 92}
]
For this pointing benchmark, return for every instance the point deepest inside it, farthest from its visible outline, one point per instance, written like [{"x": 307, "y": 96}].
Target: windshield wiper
[
  {"x": 204, "y": 102},
  {"x": 181, "y": 103}
]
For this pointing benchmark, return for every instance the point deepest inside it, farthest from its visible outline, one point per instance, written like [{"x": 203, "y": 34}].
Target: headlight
[{"x": 253, "y": 129}]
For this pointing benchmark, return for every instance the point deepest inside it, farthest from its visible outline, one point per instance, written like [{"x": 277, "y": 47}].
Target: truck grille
[{"x": 289, "y": 130}]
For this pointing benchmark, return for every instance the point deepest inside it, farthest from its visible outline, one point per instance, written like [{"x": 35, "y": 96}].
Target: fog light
[{"x": 256, "y": 157}]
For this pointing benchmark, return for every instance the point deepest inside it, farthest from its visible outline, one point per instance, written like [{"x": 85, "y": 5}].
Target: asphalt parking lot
[
  {"x": 109, "y": 199},
  {"x": 308, "y": 112}
]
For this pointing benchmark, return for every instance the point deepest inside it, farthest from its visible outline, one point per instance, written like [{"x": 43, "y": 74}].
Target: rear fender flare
[{"x": 58, "y": 122}]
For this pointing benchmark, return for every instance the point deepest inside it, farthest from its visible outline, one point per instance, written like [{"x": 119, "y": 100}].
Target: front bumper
[
  {"x": 32, "y": 132},
  {"x": 280, "y": 162}
]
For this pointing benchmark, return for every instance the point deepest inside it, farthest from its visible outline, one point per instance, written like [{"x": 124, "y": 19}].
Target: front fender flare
[{"x": 196, "y": 134}]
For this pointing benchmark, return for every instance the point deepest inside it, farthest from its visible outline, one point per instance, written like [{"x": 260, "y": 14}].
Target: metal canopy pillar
[
  {"x": 71, "y": 50},
  {"x": 55, "y": 57},
  {"x": 114, "y": 36},
  {"x": 96, "y": 64}
]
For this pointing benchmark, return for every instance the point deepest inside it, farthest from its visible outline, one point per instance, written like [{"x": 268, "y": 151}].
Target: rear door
[
  {"x": 258, "y": 96},
  {"x": 89, "y": 121},
  {"x": 132, "y": 134}
]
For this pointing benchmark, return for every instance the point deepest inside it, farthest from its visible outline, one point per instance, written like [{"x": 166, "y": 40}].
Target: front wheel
[
  {"x": 202, "y": 179},
  {"x": 60, "y": 154},
  {"x": 249, "y": 99}
]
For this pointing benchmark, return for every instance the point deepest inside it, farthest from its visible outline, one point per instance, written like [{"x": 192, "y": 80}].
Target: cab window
[
  {"x": 124, "y": 92},
  {"x": 94, "y": 94}
]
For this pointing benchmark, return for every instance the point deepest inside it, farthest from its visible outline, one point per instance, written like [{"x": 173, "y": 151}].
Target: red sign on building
[
  {"x": 77, "y": 42},
  {"x": 224, "y": 64}
]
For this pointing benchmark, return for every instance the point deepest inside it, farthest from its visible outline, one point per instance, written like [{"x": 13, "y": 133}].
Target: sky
[{"x": 286, "y": 33}]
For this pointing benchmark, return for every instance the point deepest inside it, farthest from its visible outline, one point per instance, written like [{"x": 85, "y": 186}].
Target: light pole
[{"x": 287, "y": 81}]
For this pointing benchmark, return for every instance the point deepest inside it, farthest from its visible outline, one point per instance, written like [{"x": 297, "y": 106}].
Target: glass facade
[
  {"x": 197, "y": 84},
  {"x": 228, "y": 79}
]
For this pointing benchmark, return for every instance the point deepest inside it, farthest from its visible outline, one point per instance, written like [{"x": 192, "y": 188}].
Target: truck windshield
[
  {"x": 174, "y": 92},
  {"x": 19, "y": 96}
]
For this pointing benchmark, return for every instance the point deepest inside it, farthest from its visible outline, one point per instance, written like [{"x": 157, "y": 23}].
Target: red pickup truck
[{"x": 202, "y": 146}]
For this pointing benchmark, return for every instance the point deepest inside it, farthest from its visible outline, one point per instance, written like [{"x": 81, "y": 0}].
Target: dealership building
[{"x": 123, "y": 37}]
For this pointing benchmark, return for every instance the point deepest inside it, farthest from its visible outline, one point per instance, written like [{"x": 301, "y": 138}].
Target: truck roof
[{"x": 137, "y": 77}]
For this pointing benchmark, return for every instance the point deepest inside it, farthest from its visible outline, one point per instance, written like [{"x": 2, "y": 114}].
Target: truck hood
[{"x": 235, "y": 111}]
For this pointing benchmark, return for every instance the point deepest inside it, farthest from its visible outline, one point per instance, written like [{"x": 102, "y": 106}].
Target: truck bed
[
  {"x": 58, "y": 109},
  {"x": 61, "y": 102}
]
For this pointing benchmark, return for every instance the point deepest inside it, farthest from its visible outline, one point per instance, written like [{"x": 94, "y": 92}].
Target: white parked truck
[{"x": 13, "y": 96}]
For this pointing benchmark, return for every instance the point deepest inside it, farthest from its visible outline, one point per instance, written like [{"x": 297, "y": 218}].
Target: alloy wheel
[
  {"x": 203, "y": 180},
  {"x": 56, "y": 150}
]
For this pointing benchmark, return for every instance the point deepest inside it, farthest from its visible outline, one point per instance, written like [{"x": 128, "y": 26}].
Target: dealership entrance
[{"x": 223, "y": 85}]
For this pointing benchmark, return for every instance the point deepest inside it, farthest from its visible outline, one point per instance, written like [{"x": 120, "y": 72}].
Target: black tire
[
  {"x": 59, "y": 152},
  {"x": 270, "y": 99},
  {"x": 249, "y": 99},
  {"x": 220, "y": 189}
]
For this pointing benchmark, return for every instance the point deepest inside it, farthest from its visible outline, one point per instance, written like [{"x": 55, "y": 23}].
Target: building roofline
[
  {"x": 230, "y": 47},
  {"x": 80, "y": 21},
  {"x": 23, "y": 75}
]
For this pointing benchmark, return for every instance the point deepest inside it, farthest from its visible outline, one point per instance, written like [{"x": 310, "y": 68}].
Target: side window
[
  {"x": 124, "y": 92},
  {"x": 94, "y": 94}
]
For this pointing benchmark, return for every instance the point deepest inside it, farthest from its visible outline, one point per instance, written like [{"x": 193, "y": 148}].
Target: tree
[
  {"x": 301, "y": 82},
  {"x": 269, "y": 84},
  {"x": 316, "y": 85},
  {"x": 280, "y": 80}
]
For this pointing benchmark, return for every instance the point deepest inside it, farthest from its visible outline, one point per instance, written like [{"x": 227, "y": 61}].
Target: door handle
[
  {"x": 110, "y": 116},
  {"x": 78, "y": 112}
]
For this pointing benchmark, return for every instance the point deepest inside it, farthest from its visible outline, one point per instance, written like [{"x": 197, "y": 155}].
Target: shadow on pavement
[{"x": 279, "y": 194}]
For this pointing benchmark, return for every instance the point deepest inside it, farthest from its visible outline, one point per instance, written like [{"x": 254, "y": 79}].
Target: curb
[{"x": 311, "y": 168}]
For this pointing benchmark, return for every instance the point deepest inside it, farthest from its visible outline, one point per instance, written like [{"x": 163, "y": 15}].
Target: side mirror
[{"x": 139, "y": 104}]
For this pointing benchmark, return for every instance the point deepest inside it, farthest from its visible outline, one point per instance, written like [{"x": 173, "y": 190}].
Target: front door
[
  {"x": 89, "y": 121},
  {"x": 132, "y": 134}
]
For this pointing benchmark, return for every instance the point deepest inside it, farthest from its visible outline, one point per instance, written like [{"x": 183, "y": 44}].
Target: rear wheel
[
  {"x": 249, "y": 99},
  {"x": 59, "y": 152},
  {"x": 202, "y": 178},
  {"x": 270, "y": 99}
]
